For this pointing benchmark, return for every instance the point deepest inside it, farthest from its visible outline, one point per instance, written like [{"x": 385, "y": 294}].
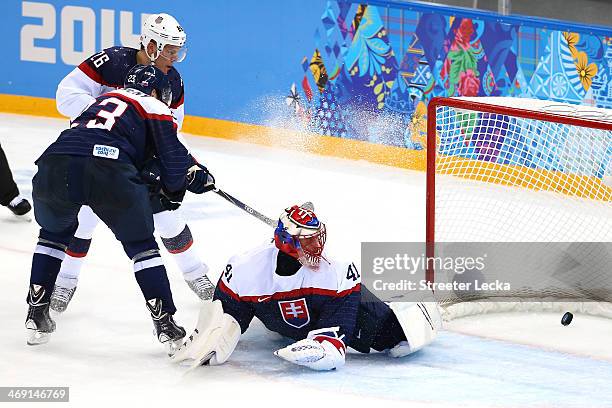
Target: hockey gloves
[
  {"x": 150, "y": 175},
  {"x": 322, "y": 350},
  {"x": 171, "y": 201},
  {"x": 199, "y": 179}
]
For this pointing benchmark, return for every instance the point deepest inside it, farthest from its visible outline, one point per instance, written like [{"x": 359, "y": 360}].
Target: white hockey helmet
[{"x": 164, "y": 30}]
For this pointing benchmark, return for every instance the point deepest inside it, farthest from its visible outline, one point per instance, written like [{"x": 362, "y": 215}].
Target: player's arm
[
  {"x": 173, "y": 158},
  {"x": 75, "y": 93},
  {"x": 80, "y": 88},
  {"x": 325, "y": 347},
  {"x": 177, "y": 106},
  {"x": 199, "y": 178}
]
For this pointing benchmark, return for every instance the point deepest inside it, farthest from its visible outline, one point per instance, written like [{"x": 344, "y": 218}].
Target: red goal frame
[{"x": 487, "y": 107}]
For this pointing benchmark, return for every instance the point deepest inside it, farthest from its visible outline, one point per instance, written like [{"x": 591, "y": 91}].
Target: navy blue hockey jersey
[
  {"x": 104, "y": 72},
  {"x": 328, "y": 298},
  {"x": 130, "y": 126}
]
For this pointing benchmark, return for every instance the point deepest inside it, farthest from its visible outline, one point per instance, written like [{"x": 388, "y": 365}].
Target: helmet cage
[
  {"x": 310, "y": 247},
  {"x": 306, "y": 248}
]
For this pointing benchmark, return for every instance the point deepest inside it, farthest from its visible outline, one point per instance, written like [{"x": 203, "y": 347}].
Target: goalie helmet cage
[{"x": 519, "y": 170}]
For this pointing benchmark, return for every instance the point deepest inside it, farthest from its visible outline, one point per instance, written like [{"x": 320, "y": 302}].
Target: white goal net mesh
[{"x": 525, "y": 171}]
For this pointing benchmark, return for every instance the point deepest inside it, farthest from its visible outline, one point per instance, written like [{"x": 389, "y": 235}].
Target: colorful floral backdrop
[{"x": 372, "y": 70}]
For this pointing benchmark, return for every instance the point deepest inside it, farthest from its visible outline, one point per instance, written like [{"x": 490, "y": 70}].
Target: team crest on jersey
[{"x": 295, "y": 312}]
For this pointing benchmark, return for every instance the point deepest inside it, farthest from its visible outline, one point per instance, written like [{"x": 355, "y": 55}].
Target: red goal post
[{"x": 556, "y": 154}]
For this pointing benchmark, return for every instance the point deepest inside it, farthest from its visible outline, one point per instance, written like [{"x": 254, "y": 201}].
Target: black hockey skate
[
  {"x": 20, "y": 208},
  {"x": 167, "y": 331},
  {"x": 38, "y": 323}
]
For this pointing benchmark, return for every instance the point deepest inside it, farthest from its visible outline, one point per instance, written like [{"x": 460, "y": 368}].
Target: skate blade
[
  {"x": 172, "y": 346},
  {"x": 34, "y": 337}
]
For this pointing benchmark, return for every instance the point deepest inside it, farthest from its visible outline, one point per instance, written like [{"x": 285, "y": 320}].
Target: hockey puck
[{"x": 567, "y": 318}]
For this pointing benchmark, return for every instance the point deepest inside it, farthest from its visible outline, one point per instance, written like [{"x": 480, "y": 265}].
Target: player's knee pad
[
  {"x": 420, "y": 322},
  {"x": 50, "y": 247},
  {"x": 179, "y": 243},
  {"x": 134, "y": 248},
  {"x": 168, "y": 224},
  {"x": 147, "y": 259},
  {"x": 88, "y": 221}
]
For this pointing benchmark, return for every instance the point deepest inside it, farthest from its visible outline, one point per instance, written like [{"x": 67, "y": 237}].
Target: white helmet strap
[{"x": 156, "y": 54}]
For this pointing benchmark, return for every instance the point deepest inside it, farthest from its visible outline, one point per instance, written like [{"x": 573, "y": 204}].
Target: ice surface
[{"x": 104, "y": 349}]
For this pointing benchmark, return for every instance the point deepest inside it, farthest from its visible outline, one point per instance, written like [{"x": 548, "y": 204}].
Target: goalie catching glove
[
  {"x": 214, "y": 338},
  {"x": 321, "y": 350}
]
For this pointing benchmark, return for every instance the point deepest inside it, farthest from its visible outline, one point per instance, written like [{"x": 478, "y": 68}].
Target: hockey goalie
[{"x": 297, "y": 290}]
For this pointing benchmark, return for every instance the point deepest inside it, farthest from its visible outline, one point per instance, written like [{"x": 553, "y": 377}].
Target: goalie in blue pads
[{"x": 297, "y": 290}]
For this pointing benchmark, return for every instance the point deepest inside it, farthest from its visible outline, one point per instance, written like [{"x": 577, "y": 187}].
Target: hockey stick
[{"x": 245, "y": 207}]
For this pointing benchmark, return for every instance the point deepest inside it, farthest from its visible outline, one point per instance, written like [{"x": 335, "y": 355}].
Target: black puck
[{"x": 567, "y": 318}]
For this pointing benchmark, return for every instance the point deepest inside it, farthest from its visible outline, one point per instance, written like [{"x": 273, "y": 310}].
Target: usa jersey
[
  {"x": 130, "y": 126},
  {"x": 328, "y": 298},
  {"x": 104, "y": 72}
]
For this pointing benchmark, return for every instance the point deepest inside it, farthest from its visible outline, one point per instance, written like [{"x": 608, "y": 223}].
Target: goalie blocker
[{"x": 321, "y": 306}]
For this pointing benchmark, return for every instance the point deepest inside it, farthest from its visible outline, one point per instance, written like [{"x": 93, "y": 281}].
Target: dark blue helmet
[{"x": 147, "y": 78}]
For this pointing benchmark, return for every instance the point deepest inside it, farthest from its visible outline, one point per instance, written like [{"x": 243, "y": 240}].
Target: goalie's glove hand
[
  {"x": 199, "y": 179},
  {"x": 319, "y": 352},
  {"x": 171, "y": 201}
]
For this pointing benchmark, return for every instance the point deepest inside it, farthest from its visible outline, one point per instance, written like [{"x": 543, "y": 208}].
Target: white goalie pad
[
  {"x": 420, "y": 322},
  {"x": 214, "y": 338}
]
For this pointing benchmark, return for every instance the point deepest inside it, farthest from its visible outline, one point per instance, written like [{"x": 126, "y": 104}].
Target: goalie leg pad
[
  {"x": 214, "y": 338},
  {"x": 420, "y": 322}
]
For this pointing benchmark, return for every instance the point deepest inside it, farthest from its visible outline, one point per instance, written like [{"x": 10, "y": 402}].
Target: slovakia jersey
[
  {"x": 128, "y": 126},
  {"x": 327, "y": 298},
  {"x": 104, "y": 72}
]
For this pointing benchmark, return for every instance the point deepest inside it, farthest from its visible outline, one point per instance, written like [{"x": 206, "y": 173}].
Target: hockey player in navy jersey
[
  {"x": 162, "y": 43},
  {"x": 300, "y": 292},
  {"x": 97, "y": 163}
]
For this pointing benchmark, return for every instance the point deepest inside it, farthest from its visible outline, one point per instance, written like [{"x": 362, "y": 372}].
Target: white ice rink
[{"x": 104, "y": 350}]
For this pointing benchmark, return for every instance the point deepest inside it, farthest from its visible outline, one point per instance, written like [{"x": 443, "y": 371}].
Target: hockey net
[{"x": 509, "y": 170}]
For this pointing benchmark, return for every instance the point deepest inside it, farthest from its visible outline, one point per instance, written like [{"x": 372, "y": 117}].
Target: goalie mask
[{"x": 300, "y": 234}]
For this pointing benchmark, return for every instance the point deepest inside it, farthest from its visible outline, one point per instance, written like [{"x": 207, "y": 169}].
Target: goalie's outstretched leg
[
  {"x": 214, "y": 338},
  {"x": 420, "y": 322}
]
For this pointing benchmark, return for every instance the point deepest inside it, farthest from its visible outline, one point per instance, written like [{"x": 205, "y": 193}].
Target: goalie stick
[{"x": 245, "y": 207}]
